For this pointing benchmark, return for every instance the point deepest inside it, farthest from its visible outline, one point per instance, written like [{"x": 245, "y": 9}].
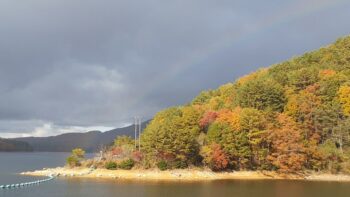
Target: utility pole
[
  {"x": 135, "y": 124},
  {"x": 139, "y": 133}
]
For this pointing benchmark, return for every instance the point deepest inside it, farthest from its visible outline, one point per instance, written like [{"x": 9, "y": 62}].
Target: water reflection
[{"x": 12, "y": 163}]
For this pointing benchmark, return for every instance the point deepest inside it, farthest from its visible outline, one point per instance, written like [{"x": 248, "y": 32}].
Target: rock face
[{"x": 7, "y": 145}]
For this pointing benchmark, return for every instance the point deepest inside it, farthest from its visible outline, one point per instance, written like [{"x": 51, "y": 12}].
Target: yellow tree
[
  {"x": 232, "y": 118},
  {"x": 171, "y": 136},
  {"x": 344, "y": 98},
  {"x": 253, "y": 123}
]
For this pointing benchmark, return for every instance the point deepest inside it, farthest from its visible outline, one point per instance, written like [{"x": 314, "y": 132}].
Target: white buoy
[{"x": 26, "y": 183}]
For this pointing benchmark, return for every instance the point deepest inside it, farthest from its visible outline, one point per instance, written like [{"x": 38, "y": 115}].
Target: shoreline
[{"x": 180, "y": 175}]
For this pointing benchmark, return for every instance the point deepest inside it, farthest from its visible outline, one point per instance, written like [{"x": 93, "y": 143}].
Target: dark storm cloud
[{"x": 77, "y": 65}]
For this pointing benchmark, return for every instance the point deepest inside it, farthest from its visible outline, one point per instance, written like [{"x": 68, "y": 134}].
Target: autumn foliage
[
  {"x": 344, "y": 97},
  {"x": 207, "y": 119},
  {"x": 215, "y": 157},
  {"x": 290, "y": 117},
  {"x": 287, "y": 152}
]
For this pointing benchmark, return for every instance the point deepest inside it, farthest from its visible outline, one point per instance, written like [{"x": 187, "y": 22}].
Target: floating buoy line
[
  {"x": 50, "y": 177},
  {"x": 18, "y": 185}
]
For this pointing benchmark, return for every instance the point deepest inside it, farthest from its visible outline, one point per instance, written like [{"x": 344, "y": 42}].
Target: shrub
[
  {"x": 126, "y": 164},
  {"x": 87, "y": 163},
  {"x": 78, "y": 153},
  {"x": 72, "y": 161},
  {"x": 162, "y": 165},
  {"x": 180, "y": 164},
  {"x": 111, "y": 165}
]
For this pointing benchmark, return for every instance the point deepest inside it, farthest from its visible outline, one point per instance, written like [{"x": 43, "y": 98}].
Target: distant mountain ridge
[
  {"x": 8, "y": 145},
  {"x": 90, "y": 141}
]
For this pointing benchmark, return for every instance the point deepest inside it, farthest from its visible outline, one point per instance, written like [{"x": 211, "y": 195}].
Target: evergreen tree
[{"x": 262, "y": 94}]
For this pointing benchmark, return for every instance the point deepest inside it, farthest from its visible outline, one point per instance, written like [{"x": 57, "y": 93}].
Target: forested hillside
[
  {"x": 290, "y": 117},
  {"x": 13, "y": 145}
]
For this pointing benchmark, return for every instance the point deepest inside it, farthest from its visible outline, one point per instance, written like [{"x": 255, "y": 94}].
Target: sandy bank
[{"x": 187, "y": 174}]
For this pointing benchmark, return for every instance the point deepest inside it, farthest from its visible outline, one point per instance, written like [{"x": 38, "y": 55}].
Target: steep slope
[
  {"x": 13, "y": 145},
  {"x": 91, "y": 141},
  {"x": 289, "y": 117}
]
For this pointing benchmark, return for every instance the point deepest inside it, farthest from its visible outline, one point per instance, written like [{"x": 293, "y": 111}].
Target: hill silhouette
[
  {"x": 7, "y": 145},
  {"x": 90, "y": 141}
]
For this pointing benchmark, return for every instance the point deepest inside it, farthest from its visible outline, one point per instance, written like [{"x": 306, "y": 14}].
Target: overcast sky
[{"x": 78, "y": 65}]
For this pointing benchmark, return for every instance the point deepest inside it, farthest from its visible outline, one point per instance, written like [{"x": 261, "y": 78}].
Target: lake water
[{"x": 12, "y": 163}]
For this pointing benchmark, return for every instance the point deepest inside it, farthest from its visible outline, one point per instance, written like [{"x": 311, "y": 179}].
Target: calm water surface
[{"x": 12, "y": 163}]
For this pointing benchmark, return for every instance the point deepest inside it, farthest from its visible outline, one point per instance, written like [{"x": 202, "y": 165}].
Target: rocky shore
[{"x": 186, "y": 174}]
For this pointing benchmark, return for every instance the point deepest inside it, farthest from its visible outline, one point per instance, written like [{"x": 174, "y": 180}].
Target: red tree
[
  {"x": 219, "y": 158},
  {"x": 207, "y": 119},
  {"x": 214, "y": 157},
  {"x": 137, "y": 156},
  {"x": 287, "y": 149},
  {"x": 117, "y": 151}
]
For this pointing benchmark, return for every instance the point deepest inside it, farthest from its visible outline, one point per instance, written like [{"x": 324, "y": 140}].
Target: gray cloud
[{"x": 79, "y": 65}]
